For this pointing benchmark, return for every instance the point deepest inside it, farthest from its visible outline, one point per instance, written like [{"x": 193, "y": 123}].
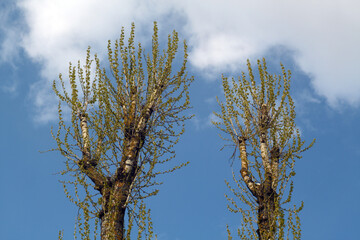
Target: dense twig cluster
[
  {"x": 125, "y": 121},
  {"x": 259, "y": 118}
]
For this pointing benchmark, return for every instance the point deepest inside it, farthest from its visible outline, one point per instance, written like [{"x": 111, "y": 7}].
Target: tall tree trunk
[
  {"x": 113, "y": 212},
  {"x": 263, "y": 192},
  {"x": 114, "y": 197},
  {"x": 266, "y": 198},
  {"x": 112, "y": 224}
]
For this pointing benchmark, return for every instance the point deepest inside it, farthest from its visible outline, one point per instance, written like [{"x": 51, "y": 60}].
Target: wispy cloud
[
  {"x": 10, "y": 32},
  {"x": 9, "y": 87},
  {"x": 201, "y": 123}
]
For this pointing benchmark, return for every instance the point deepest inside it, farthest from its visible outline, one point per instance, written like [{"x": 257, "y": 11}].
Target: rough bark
[
  {"x": 115, "y": 191},
  {"x": 266, "y": 197},
  {"x": 112, "y": 225},
  {"x": 245, "y": 166},
  {"x": 113, "y": 211},
  {"x": 88, "y": 163},
  {"x": 263, "y": 127},
  {"x": 115, "y": 199},
  {"x": 265, "y": 192},
  {"x": 275, "y": 156}
]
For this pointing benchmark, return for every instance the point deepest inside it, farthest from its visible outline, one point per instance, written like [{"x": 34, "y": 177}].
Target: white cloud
[
  {"x": 324, "y": 34},
  {"x": 220, "y": 52},
  {"x": 59, "y": 32}
]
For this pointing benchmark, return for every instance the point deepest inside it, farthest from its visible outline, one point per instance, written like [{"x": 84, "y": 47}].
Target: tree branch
[
  {"x": 263, "y": 122},
  {"x": 245, "y": 166},
  {"x": 87, "y": 164}
]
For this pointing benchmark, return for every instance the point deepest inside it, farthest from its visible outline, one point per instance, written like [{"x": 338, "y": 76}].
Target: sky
[{"x": 317, "y": 40}]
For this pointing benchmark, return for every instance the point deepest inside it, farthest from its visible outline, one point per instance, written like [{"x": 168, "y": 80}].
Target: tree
[
  {"x": 259, "y": 118},
  {"x": 125, "y": 121}
]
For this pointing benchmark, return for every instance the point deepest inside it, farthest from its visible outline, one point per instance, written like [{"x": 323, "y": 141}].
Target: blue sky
[{"x": 316, "y": 40}]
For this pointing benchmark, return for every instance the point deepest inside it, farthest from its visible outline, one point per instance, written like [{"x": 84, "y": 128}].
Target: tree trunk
[
  {"x": 113, "y": 212},
  {"x": 112, "y": 224},
  {"x": 114, "y": 197},
  {"x": 266, "y": 198}
]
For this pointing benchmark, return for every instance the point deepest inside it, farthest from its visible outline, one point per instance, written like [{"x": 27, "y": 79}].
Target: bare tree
[
  {"x": 125, "y": 121},
  {"x": 259, "y": 119}
]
